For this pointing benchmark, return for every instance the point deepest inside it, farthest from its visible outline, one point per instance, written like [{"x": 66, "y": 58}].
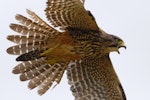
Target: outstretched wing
[
  {"x": 69, "y": 13},
  {"x": 94, "y": 79},
  {"x": 35, "y": 37}
]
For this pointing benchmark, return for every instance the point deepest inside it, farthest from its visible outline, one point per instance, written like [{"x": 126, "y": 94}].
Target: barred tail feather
[
  {"x": 54, "y": 77},
  {"x": 26, "y": 48},
  {"x": 28, "y": 65},
  {"x": 40, "y": 74},
  {"x": 35, "y": 37},
  {"x": 29, "y": 31},
  {"x": 33, "y": 72},
  {"x": 30, "y": 24},
  {"x": 18, "y": 39},
  {"x": 37, "y": 19},
  {"x": 37, "y": 23},
  {"x": 35, "y": 34},
  {"x": 36, "y": 81},
  {"x": 43, "y": 76}
]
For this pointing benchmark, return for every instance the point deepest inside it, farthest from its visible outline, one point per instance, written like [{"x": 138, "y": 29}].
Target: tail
[{"x": 34, "y": 38}]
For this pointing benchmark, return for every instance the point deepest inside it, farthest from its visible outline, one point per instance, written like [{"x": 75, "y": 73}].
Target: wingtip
[
  {"x": 29, "y": 11},
  {"x": 31, "y": 85},
  {"x": 9, "y": 50},
  {"x": 23, "y": 77},
  {"x": 9, "y": 37},
  {"x": 18, "y": 16},
  {"x": 12, "y": 26},
  {"x": 14, "y": 71},
  {"x": 41, "y": 92}
]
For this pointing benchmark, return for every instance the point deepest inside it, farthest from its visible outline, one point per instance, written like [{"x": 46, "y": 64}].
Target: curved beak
[{"x": 122, "y": 45}]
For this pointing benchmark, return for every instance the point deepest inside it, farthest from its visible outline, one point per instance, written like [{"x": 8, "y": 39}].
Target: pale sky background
[{"x": 129, "y": 19}]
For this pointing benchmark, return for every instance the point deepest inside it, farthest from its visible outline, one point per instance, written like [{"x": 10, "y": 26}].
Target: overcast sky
[{"x": 128, "y": 19}]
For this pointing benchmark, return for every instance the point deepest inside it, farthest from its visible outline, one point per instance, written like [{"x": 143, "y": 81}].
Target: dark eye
[{"x": 118, "y": 40}]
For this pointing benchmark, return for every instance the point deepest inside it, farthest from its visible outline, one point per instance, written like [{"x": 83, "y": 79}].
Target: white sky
[{"x": 129, "y": 19}]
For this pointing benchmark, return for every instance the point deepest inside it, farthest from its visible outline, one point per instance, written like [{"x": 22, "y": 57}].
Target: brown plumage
[
  {"x": 45, "y": 52},
  {"x": 94, "y": 79}
]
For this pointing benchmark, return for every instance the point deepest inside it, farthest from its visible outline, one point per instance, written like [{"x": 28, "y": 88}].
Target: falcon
[{"x": 72, "y": 42}]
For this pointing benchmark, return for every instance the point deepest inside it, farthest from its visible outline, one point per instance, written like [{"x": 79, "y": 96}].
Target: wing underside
[
  {"x": 69, "y": 13},
  {"x": 93, "y": 82}
]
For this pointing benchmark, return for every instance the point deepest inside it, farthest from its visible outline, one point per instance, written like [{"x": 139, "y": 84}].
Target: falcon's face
[{"x": 115, "y": 43}]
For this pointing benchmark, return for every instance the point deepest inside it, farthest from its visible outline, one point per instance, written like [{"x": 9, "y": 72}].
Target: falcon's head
[
  {"x": 115, "y": 43},
  {"x": 112, "y": 43}
]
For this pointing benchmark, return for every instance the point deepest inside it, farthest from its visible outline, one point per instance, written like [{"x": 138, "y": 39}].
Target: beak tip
[{"x": 125, "y": 47}]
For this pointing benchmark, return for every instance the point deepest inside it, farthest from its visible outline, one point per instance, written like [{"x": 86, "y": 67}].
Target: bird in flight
[{"x": 79, "y": 47}]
